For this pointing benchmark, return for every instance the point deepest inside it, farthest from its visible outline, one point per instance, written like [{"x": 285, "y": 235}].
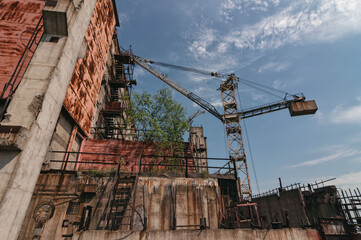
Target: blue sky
[{"x": 305, "y": 46}]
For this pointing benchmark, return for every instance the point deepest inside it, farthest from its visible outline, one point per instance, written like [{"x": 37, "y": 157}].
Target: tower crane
[{"x": 231, "y": 117}]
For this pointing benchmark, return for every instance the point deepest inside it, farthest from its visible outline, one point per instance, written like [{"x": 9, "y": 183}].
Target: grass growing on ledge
[
  {"x": 204, "y": 174},
  {"x": 100, "y": 172}
]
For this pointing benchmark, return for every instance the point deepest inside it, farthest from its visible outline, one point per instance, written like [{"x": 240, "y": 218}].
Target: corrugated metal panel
[
  {"x": 82, "y": 94},
  {"x": 17, "y": 21}
]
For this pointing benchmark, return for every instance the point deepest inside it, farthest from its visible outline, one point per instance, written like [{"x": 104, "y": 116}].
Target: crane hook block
[{"x": 302, "y": 108}]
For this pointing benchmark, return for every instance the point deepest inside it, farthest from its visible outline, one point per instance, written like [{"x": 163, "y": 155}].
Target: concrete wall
[
  {"x": 298, "y": 209},
  {"x": 35, "y": 107},
  {"x": 289, "y": 207},
  {"x": 67, "y": 194},
  {"x": 60, "y": 141},
  {"x": 184, "y": 199},
  {"x": 158, "y": 200},
  {"x": 219, "y": 234},
  {"x": 199, "y": 143}
]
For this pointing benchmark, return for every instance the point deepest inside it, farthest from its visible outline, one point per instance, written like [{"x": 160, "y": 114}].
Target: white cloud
[
  {"x": 349, "y": 180},
  {"x": 205, "y": 38},
  {"x": 319, "y": 116},
  {"x": 274, "y": 66},
  {"x": 201, "y": 89},
  {"x": 326, "y": 21},
  {"x": 332, "y": 157},
  {"x": 217, "y": 103},
  {"x": 257, "y": 97},
  {"x": 298, "y": 23},
  {"x": 346, "y": 115},
  {"x": 197, "y": 78},
  {"x": 277, "y": 84},
  {"x": 229, "y": 6},
  {"x": 139, "y": 72}
]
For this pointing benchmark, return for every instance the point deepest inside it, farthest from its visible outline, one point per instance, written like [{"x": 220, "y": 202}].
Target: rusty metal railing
[
  {"x": 184, "y": 164},
  {"x": 149, "y": 163}
]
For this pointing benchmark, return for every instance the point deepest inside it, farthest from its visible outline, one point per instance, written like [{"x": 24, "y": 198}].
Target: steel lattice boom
[{"x": 199, "y": 101}]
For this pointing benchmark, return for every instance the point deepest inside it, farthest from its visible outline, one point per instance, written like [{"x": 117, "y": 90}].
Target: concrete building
[
  {"x": 71, "y": 166},
  {"x": 199, "y": 143}
]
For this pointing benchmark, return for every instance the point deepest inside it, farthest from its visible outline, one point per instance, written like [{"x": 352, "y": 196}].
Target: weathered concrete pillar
[{"x": 35, "y": 109}]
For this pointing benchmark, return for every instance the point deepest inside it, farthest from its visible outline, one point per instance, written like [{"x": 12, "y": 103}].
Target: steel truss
[{"x": 234, "y": 134}]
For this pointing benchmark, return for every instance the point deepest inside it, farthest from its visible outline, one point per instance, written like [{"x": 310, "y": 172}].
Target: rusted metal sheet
[
  {"x": 303, "y": 108},
  {"x": 18, "y": 20},
  {"x": 113, "y": 106},
  {"x": 333, "y": 226},
  {"x": 82, "y": 94}
]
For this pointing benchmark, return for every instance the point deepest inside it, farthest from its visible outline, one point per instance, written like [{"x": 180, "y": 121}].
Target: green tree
[{"x": 158, "y": 117}]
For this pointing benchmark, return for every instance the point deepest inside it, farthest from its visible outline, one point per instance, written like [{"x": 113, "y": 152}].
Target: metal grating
[{"x": 351, "y": 206}]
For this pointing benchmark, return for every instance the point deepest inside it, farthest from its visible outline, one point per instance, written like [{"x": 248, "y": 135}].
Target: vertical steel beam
[{"x": 232, "y": 122}]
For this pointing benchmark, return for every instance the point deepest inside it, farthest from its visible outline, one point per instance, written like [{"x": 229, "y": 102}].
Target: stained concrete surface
[
  {"x": 219, "y": 234},
  {"x": 20, "y": 185}
]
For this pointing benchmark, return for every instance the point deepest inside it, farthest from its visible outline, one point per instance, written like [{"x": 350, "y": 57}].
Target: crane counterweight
[{"x": 303, "y": 108}]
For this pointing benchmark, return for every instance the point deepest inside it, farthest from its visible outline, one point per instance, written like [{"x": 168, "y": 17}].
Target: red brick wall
[{"x": 131, "y": 151}]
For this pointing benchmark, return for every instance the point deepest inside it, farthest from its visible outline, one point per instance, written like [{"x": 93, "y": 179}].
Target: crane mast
[
  {"x": 232, "y": 116},
  {"x": 232, "y": 123}
]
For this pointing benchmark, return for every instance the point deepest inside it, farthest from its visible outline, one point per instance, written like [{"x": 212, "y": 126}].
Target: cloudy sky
[{"x": 305, "y": 46}]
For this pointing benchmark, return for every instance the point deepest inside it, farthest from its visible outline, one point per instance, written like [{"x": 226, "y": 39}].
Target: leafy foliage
[{"x": 158, "y": 117}]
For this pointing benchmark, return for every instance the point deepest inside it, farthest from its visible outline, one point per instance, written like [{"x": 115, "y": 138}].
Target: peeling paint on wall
[
  {"x": 18, "y": 20},
  {"x": 82, "y": 94}
]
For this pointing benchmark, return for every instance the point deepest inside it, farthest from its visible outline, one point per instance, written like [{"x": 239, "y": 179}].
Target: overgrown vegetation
[
  {"x": 159, "y": 118},
  {"x": 99, "y": 172}
]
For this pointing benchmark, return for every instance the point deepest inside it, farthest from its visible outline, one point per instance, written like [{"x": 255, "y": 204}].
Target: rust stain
[
  {"x": 83, "y": 90},
  {"x": 129, "y": 150},
  {"x": 29, "y": 6},
  {"x": 17, "y": 22}
]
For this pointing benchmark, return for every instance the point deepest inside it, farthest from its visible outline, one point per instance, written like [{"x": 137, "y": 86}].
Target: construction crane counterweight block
[{"x": 303, "y": 108}]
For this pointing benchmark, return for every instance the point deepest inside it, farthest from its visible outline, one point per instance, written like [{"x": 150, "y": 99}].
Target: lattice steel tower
[{"x": 232, "y": 121}]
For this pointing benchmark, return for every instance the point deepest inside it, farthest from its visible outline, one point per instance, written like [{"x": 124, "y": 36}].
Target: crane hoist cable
[
  {"x": 261, "y": 85},
  {"x": 249, "y": 83},
  {"x": 187, "y": 69},
  {"x": 262, "y": 90}
]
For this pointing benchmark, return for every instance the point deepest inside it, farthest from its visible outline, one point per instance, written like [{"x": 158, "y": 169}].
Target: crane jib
[{"x": 204, "y": 104}]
